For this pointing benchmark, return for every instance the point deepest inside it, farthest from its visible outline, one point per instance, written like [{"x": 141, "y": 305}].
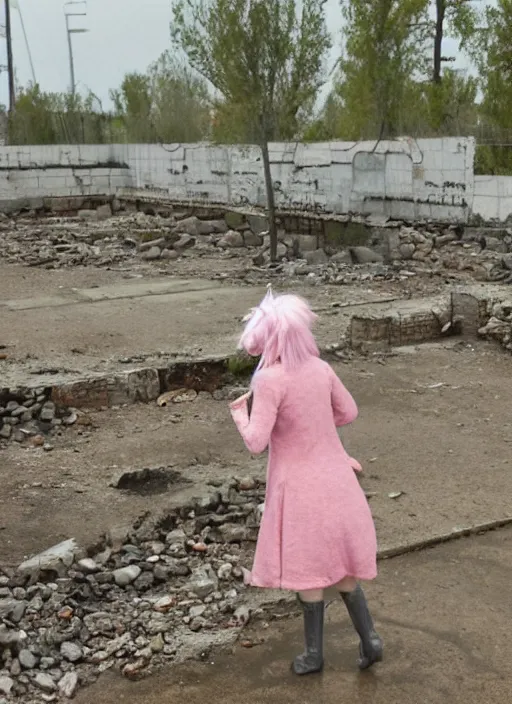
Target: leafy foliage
[
  {"x": 264, "y": 59},
  {"x": 495, "y": 68},
  {"x": 56, "y": 118},
  {"x": 382, "y": 52},
  {"x": 166, "y": 104}
]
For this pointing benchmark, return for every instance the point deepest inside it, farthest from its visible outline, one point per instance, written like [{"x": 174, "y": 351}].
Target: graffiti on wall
[{"x": 448, "y": 193}]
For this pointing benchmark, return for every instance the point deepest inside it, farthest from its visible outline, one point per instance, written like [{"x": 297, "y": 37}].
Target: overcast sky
[{"x": 124, "y": 36}]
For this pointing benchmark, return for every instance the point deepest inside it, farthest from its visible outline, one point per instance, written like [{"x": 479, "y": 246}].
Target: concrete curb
[{"x": 466, "y": 531}]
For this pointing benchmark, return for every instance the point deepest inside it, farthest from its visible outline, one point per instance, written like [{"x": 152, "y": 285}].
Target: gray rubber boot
[
  {"x": 371, "y": 644},
  {"x": 312, "y": 660}
]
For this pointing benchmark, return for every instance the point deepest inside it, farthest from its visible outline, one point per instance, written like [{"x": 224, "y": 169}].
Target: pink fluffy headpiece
[{"x": 279, "y": 329}]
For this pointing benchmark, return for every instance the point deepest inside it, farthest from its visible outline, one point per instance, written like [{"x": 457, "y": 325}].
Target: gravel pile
[
  {"x": 161, "y": 591},
  {"x": 30, "y": 415}
]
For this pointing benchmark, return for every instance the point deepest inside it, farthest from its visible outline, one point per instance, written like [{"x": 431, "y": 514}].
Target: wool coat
[{"x": 317, "y": 527}]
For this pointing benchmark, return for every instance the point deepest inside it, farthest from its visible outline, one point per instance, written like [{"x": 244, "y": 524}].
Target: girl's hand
[
  {"x": 355, "y": 465},
  {"x": 237, "y": 403}
]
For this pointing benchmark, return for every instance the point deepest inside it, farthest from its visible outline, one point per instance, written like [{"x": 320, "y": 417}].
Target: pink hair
[{"x": 279, "y": 329}]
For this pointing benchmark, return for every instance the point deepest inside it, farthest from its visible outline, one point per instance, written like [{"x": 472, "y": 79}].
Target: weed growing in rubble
[{"x": 241, "y": 365}]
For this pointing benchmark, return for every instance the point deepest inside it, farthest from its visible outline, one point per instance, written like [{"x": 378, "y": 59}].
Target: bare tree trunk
[
  {"x": 438, "y": 39},
  {"x": 271, "y": 208}
]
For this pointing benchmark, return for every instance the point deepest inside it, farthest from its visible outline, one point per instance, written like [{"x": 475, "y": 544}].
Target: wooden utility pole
[{"x": 10, "y": 64}]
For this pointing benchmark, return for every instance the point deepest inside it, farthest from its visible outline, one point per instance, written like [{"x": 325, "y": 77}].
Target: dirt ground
[
  {"x": 443, "y": 642},
  {"x": 434, "y": 424},
  {"x": 433, "y": 436},
  {"x": 73, "y": 322}
]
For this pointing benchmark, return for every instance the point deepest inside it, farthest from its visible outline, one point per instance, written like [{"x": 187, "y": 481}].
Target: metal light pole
[{"x": 70, "y": 30}]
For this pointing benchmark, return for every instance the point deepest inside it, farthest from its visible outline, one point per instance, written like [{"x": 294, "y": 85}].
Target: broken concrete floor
[
  {"x": 68, "y": 331},
  {"x": 443, "y": 643},
  {"x": 433, "y": 437},
  {"x": 434, "y": 424}
]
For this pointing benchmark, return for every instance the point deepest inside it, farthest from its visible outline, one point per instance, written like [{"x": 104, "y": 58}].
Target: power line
[{"x": 18, "y": 7}]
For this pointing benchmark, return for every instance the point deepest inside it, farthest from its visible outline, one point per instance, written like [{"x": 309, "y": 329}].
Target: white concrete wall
[
  {"x": 405, "y": 178},
  {"x": 493, "y": 198},
  {"x": 38, "y": 171}
]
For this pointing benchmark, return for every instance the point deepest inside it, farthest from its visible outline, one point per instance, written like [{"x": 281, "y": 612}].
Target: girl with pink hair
[{"x": 317, "y": 530}]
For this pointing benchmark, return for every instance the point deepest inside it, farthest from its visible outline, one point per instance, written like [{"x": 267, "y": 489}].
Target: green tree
[
  {"x": 182, "y": 104},
  {"x": 165, "y": 104},
  {"x": 494, "y": 62},
  {"x": 450, "y": 105},
  {"x": 132, "y": 107},
  {"x": 329, "y": 123},
  {"x": 57, "y": 118},
  {"x": 384, "y": 49},
  {"x": 265, "y": 60}
]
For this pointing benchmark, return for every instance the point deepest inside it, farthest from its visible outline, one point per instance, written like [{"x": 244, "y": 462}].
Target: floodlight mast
[{"x": 69, "y": 31}]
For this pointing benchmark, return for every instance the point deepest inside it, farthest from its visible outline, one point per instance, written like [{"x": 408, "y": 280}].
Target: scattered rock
[
  {"x": 5, "y": 431},
  {"x": 126, "y": 575},
  {"x": 251, "y": 239},
  {"x": 164, "y": 603},
  {"x": 56, "y": 559},
  {"x": 68, "y": 684},
  {"x": 184, "y": 242},
  {"x": 88, "y": 565},
  {"x": 247, "y": 483},
  {"x": 6, "y": 685},
  {"x": 152, "y": 254},
  {"x": 45, "y": 682},
  {"x": 141, "y": 240},
  {"x": 258, "y": 224},
  {"x": 72, "y": 652},
  {"x": 225, "y": 571},
  {"x": 494, "y": 244},
  {"x": 104, "y": 212},
  {"x": 318, "y": 256},
  {"x": 157, "y": 643},
  {"x": 343, "y": 257},
  {"x": 27, "y": 659},
  {"x": 231, "y": 239},
  {"x": 209, "y": 227},
  {"x": 365, "y": 255},
  {"x": 132, "y": 670},
  {"x": 203, "y": 583},
  {"x": 507, "y": 261},
  {"x": 190, "y": 226},
  {"x": 159, "y": 243},
  {"x": 241, "y": 616},
  {"x": 407, "y": 250},
  {"x": 233, "y": 533}
]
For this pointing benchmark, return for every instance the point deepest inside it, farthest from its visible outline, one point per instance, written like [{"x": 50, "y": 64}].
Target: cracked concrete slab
[{"x": 113, "y": 292}]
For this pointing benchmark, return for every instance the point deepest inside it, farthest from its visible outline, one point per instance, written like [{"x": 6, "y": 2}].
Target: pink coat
[{"x": 317, "y": 527}]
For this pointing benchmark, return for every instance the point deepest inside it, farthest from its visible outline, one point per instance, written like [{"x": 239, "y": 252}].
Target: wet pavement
[{"x": 445, "y": 615}]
